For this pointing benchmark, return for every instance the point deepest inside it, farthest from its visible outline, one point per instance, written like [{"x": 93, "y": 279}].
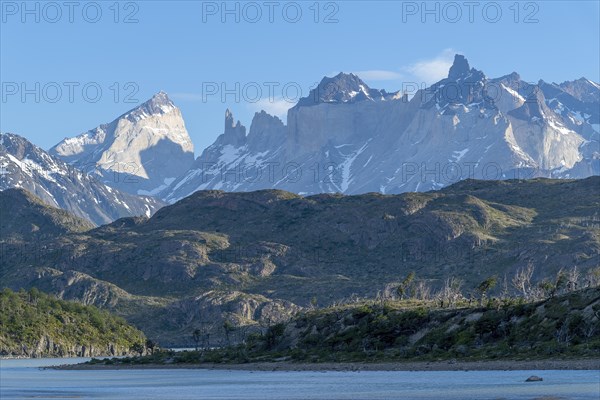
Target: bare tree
[
  {"x": 538, "y": 292},
  {"x": 422, "y": 290},
  {"x": 451, "y": 292},
  {"x": 522, "y": 280},
  {"x": 505, "y": 294}
]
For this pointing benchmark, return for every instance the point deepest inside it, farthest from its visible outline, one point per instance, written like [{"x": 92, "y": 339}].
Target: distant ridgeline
[{"x": 33, "y": 324}]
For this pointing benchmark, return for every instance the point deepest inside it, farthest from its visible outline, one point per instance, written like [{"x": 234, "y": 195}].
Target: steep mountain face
[
  {"x": 258, "y": 256},
  {"x": 582, "y": 89},
  {"x": 140, "y": 152},
  {"x": 578, "y": 104},
  {"x": 346, "y": 137},
  {"x": 26, "y": 166}
]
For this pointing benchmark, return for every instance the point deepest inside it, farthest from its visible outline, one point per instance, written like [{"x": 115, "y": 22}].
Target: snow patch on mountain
[{"x": 24, "y": 165}]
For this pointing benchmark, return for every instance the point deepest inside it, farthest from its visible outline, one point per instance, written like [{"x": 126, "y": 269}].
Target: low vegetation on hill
[
  {"x": 33, "y": 324},
  {"x": 565, "y": 326}
]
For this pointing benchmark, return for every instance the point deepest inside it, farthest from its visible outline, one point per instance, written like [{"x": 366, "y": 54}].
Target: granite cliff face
[
  {"x": 140, "y": 152},
  {"x": 349, "y": 138}
]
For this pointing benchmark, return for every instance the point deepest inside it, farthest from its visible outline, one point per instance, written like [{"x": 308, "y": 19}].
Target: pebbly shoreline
[{"x": 492, "y": 365}]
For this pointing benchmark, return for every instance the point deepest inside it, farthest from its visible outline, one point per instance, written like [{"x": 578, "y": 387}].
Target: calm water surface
[{"x": 22, "y": 379}]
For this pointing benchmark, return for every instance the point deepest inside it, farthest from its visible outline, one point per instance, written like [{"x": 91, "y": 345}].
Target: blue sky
[{"x": 186, "y": 49}]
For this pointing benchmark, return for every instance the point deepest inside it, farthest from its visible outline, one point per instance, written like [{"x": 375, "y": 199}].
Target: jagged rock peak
[
  {"x": 22, "y": 148},
  {"x": 342, "y": 88},
  {"x": 582, "y": 89},
  {"x": 466, "y": 117},
  {"x": 342, "y": 83},
  {"x": 160, "y": 98},
  {"x": 230, "y": 124},
  {"x": 343, "y": 79},
  {"x": 264, "y": 123},
  {"x": 264, "y": 117},
  {"x": 160, "y": 103},
  {"x": 582, "y": 81},
  {"x": 459, "y": 68},
  {"x": 512, "y": 77},
  {"x": 234, "y": 133}
]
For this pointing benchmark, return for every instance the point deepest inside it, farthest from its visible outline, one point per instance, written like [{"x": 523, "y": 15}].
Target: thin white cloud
[
  {"x": 379, "y": 75},
  {"x": 424, "y": 73},
  {"x": 432, "y": 70},
  {"x": 276, "y": 106}
]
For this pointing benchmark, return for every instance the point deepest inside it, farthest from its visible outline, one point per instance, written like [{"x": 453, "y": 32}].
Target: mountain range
[
  {"x": 344, "y": 137},
  {"x": 26, "y": 166},
  {"x": 357, "y": 189}
]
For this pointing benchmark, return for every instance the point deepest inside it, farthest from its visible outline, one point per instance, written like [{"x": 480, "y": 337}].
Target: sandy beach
[{"x": 499, "y": 365}]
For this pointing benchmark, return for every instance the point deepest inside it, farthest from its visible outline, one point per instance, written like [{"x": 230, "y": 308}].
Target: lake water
[{"x": 22, "y": 379}]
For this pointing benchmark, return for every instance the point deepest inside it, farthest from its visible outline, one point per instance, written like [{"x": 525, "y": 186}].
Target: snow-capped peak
[
  {"x": 142, "y": 147},
  {"x": 159, "y": 104},
  {"x": 342, "y": 88}
]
